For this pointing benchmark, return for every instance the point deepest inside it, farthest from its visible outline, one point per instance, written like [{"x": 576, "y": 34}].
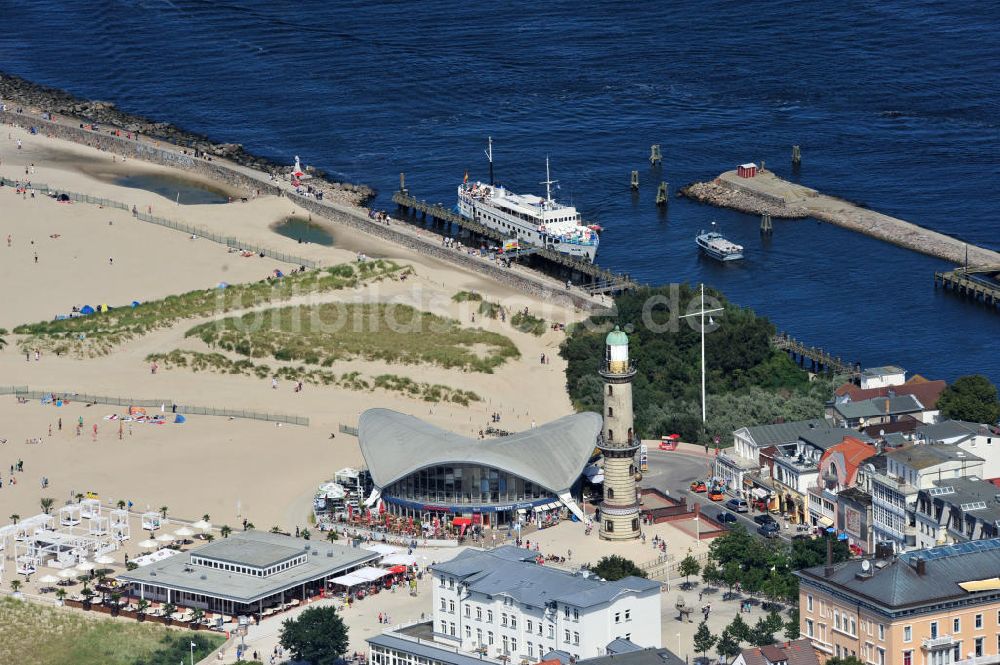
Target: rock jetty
[
  {"x": 17, "y": 92},
  {"x": 767, "y": 193}
]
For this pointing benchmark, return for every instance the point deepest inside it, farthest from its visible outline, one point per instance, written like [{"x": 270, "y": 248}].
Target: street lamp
[{"x": 701, "y": 313}]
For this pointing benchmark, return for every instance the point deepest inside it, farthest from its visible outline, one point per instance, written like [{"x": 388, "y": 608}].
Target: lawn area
[
  {"x": 322, "y": 334},
  {"x": 100, "y": 332},
  {"x": 32, "y": 634}
]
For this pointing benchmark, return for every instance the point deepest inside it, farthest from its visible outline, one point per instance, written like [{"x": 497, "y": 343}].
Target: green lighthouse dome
[{"x": 617, "y": 338}]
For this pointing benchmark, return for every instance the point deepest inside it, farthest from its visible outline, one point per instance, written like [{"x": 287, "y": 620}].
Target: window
[
  {"x": 452, "y": 629},
  {"x": 609, "y": 526},
  {"x": 506, "y": 647},
  {"x": 836, "y": 619},
  {"x": 809, "y": 603},
  {"x": 489, "y": 616},
  {"x": 576, "y": 615},
  {"x": 513, "y": 644},
  {"x": 907, "y": 634},
  {"x": 979, "y": 647},
  {"x": 552, "y": 632},
  {"x": 566, "y": 637},
  {"x": 881, "y": 631},
  {"x": 444, "y": 605},
  {"x": 611, "y": 412},
  {"x": 854, "y": 626},
  {"x": 451, "y": 583},
  {"x": 576, "y": 638},
  {"x": 444, "y": 627},
  {"x": 881, "y": 656},
  {"x": 479, "y": 614},
  {"x": 451, "y": 606},
  {"x": 565, "y": 611},
  {"x": 628, "y": 615},
  {"x": 529, "y": 625},
  {"x": 956, "y": 625},
  {"x": 489, "y": 638},
  {"x": 979, "y": 621},
  {"x": 809, "y": 628},
  {"x": 907, "y": 657},
  {"x": 468, "y": 632},
  {"x": 531, "y": 650},
  {"x": 513, "y": 621},
  {"x": 503, "y": 619},
  {"x": 618, "y": 617}
]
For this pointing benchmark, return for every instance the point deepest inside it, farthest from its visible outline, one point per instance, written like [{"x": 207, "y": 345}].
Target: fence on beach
[
  {"x": 165, "y": 405},
  {"x": 228, "y": 241}
]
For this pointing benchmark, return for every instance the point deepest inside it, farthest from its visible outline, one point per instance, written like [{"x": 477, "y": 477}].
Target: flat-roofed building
[{"x": 247, "y": 573}]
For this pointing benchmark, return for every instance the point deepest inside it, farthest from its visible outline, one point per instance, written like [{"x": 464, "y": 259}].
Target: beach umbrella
[
  {"x": 149, "y": 542},
  {"x": 165, "y": 538},
  {"x": 85, "y": 566},
  {"x": 67, "y": 573},
  {"x": 203, "y": 525},
  {"x": 184, "y": 532},
  {"x": 48, "y": 579},
  {"x": 104, "y": 559}
]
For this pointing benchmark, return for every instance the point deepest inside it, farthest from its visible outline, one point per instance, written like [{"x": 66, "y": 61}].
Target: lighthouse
[{"x": 620, "y": 508}]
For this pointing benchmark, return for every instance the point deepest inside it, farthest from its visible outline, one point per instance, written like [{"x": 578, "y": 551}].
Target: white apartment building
[
  {"x": 502, "y": 604},
  {"x": 882, "y": 377},
  {"x": 908, "y": 470}
]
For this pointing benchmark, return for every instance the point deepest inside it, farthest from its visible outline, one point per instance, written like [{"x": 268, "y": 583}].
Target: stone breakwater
[
  {"x": 330, "y": 208},
  {"x": 16, "y": 92},
  {"x": 767, "y": 193}
]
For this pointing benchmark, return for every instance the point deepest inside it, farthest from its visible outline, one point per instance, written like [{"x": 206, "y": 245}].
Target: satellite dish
[
  {"x": 881, "y": 432},
  {"x": 866, "y": 566}
]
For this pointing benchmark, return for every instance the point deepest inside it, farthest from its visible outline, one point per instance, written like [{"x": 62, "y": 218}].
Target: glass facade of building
[{"x": 468, "y": 484}]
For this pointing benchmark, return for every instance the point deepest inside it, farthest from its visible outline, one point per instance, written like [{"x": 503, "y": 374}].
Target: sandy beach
[{"x": 89, "y": 254}]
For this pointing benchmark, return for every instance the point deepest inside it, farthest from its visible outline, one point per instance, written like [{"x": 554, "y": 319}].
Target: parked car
[
  {"x": 737, "y": 505},
  {"x": 716, "y": 495},
  {"x": 726, "y": 518},
  {"x": 769, "y": 530},
  {"x": 699, "y": 486},
  {"x": 764, "y": 519}
]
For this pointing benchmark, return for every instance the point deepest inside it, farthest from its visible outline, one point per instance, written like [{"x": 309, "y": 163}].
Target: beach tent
[
  {"x": 135, "y": 303},
  {"x": 86, "y": 309},
  {"x": 63, "y": 198},
  {"x": 102, "y": 308},
  {"x": 180, "y": 419},
  {"x": 222, "y": 285}
]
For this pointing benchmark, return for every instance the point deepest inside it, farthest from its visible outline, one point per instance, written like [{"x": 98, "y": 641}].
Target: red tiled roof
[
  {"x": 854, "y": 451},
  {"x": 925, "y": 391},
  {"x": 798, "y": 652}
]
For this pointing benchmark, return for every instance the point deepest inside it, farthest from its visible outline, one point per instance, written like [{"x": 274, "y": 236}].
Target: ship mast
[
  {"x": 548, "y": 182},
  {"x": 489, "y": 156}
]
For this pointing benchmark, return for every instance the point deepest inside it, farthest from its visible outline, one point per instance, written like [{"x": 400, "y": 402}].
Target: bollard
[
  {"x": 661, "y": 194},
  {"x": 402, "y": 182},
  {"x": 654, "y": 154},
  {"x": 796, "y": 155},
  {"x": 635, "y": 180}
]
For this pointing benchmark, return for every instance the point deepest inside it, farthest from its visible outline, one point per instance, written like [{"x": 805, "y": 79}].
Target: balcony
[
  {"x": 896, "y": 483},
  {"x": 939, "y": 642},
  {"x": 986, "y": 659}
]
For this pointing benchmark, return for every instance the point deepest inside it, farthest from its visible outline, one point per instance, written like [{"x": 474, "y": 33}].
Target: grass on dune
[
  {"x": 325, "y": 333},
  {"x": 99, "y": 333},
  {"x": 32, "y": 634},
  {"x": 219, "y": 363}
]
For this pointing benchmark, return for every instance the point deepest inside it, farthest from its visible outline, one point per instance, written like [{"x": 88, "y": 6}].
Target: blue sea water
[{"x": 895, "y": 104}]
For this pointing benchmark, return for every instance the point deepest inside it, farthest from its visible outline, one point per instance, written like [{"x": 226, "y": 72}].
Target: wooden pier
[
  {"x": 592, "y": 278},
  {"x": 981, "y": 284},
  {"x": 819, "y": 360}
]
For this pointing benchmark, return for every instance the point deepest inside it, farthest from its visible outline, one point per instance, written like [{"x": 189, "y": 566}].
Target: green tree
[
  {"x": 972, "y": 398},
  {"x": 710, "y": 573},
  {"x": 844, "y": 660},
  {"x": 761, "y": 634},
  {"x": 318, "y": 636},
  {"x": 61, "y": 594},
  {"x": 689, "y": 566},
  {"x": 774, "y": 622},
  {"x": 15, "y": 585},
  {"x": 792, "y": 625},
  {"x": 615, "y": 567},
  {"x": 739, "y": 629},
  {"x": 225, "y": 530},
  {"x": 163, "y": 511},
  {"x": 46, "y": 503},
  {"x": 15, "y": 518},
  {"x": 728, "y": 646},
  {"x": 704, "y": 640},
  {"x": 121, "y": 504},
  {"x": 168, "y": 610},
  {"x": 174, "y": 648}
]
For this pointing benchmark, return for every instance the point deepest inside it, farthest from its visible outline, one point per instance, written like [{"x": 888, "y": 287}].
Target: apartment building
[
  {"x": 957, "y": 510},
  {"x": 501, "y": 603},
  {"x": 933, "y": 607}
]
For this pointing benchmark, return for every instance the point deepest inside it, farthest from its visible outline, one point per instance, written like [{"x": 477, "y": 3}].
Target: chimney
[
  {"x": 887, "y": 400},
  {"x": 921, "y": 566}
]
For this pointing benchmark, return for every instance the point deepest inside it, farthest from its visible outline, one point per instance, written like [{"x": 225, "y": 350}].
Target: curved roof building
[{"x": 419, "y": 468}]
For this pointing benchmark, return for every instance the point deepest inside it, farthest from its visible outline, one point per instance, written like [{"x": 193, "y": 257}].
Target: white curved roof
[{"x": 553, "y": 455}]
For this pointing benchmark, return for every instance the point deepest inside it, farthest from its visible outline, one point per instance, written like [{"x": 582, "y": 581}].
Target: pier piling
[
  {"x": 654, "y": 154},
  {"x": 766, "y": 225},
  {"x": 796, "y": 155},
  {"x": 402, "y": 181},
  {"x": 635, "y": 180},
  {"x": 661, "y": 194}
]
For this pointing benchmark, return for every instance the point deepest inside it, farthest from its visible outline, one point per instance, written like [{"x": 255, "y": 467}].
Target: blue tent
[
  {"x": 180, "y": 419},
  {"x": 135, "y": 303},
  {"x": 86, "y": 309},
  {"x": 222, "y": 285}
]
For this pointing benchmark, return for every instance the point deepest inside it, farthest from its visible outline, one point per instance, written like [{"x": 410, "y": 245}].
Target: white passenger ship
[{"x": 529, "y": 219}]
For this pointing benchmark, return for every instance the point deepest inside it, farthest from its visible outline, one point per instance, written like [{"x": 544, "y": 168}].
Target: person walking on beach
[
  {"x": 274, "y": 383},
  {"x": 60, "y": 424}
]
